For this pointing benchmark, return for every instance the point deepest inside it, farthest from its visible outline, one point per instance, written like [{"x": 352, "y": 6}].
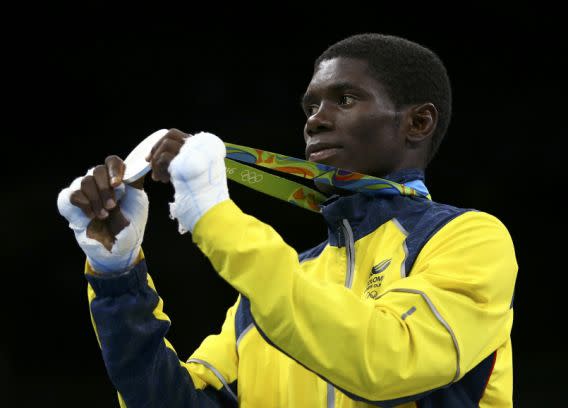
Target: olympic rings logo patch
[{"x": 251, "y": 176}]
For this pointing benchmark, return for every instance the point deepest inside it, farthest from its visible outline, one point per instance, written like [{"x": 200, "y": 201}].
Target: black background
[{"x": 85, "y": 81}]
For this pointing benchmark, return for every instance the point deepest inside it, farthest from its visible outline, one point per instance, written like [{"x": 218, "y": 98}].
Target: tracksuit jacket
[{"x": 408, "y": 303}]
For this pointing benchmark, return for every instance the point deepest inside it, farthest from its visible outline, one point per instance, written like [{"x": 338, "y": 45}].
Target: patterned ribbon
[{"x": 297, "y": 193}]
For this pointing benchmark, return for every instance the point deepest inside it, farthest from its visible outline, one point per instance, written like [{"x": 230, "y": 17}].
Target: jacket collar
[
  {"x": 355, "y": 207},
  {"x": 406, "y": 175}
]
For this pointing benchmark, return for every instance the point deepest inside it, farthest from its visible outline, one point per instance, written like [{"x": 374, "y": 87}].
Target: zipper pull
[{"x": 340, "y": 242}]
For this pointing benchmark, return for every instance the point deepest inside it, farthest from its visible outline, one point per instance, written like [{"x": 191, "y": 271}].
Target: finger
[
  {"x": 102, "y": 179},
  {"x": 160, "y": 167},
  {"x": 173, "y": 134},
  {"x": 91, "y": 191},
  {"x": 170, "y": 146},
  {"x": 169, "y": 137},
  {"x": 79, "y": 199},
  {"x": 116, "y": 168}
]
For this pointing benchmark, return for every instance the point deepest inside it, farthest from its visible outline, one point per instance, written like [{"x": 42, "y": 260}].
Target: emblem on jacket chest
[{"x": 376, "y": 279}]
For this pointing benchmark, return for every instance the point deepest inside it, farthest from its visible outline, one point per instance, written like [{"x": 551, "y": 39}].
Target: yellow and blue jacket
[{"x": 408, "y": 303}]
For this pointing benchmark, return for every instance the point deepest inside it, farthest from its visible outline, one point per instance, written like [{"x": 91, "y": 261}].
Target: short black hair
[{"x": 410, "y": 72}]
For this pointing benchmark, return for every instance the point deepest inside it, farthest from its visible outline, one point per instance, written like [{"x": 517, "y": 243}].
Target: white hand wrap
[
  {"x": 133, "y": 204},
  {"x": 199, "y": 177}
]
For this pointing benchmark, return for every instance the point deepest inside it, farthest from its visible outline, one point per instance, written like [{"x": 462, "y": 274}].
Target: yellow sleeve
[
  {"x": 216, "y": 355},
  {"x": 425, "y": 332}
]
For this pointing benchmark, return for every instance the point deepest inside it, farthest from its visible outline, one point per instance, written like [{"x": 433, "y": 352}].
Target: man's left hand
[{"x": 195, "y": 165}]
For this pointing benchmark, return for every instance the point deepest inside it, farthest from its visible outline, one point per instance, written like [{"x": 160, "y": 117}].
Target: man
[{"x": 407, "y": 303}]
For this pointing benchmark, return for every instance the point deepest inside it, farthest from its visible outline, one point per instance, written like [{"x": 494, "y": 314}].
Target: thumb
[{"x": 77, "y": 219}]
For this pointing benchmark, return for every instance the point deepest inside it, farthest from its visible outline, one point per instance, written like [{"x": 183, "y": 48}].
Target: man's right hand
[
  {"x": 97, "y": 199},
  {"x": 108, "y": 217}
]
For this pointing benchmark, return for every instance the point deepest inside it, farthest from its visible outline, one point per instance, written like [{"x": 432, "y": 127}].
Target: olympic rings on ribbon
[{"x": 251, "y": 177}]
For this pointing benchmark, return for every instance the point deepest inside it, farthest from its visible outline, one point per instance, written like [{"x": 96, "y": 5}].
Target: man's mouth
[
  {"x": 323, "y": 154},
  {"x": 319, "y": 150}
]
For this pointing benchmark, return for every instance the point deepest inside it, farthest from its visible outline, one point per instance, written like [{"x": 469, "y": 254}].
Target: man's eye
[
  {"x": 311, "y": 110},
  {"x": 346, "y": 100}
]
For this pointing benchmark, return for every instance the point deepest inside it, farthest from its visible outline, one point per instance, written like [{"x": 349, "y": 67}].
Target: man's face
[{"x": 351, "y": 121}]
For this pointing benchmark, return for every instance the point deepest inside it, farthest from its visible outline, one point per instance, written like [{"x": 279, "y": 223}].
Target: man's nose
[{"x": 320, "y": 121}]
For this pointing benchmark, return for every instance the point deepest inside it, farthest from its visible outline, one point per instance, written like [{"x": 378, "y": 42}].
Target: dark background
[{"x": 85, "y": 81}]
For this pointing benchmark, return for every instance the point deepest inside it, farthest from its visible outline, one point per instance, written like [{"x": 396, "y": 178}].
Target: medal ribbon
[{"x": 296, "y": 193}]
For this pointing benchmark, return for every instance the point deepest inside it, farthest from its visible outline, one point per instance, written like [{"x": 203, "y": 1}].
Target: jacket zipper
[
  {"x": 350, "y": 248},
  {"x": 330, "y": 396}
]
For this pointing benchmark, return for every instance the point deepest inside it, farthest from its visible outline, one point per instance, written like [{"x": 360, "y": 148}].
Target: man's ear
[{"x": 421, "y": 122}]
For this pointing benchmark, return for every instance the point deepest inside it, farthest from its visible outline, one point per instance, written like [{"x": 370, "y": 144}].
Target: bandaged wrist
[
  {"x": 199, "y": 178},
  {"x": 128, "y": 242},
  {"x": 119, "y": 259},
  {"x": 123, "y": 254}
]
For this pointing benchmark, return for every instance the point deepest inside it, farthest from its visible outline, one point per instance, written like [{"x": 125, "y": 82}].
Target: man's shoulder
[
  {"x": 468, "y": 214},
  {"x": 461, "y": 222},
  {"x": 427, "y": 219},
  {"x": 426, "y": 214}
]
